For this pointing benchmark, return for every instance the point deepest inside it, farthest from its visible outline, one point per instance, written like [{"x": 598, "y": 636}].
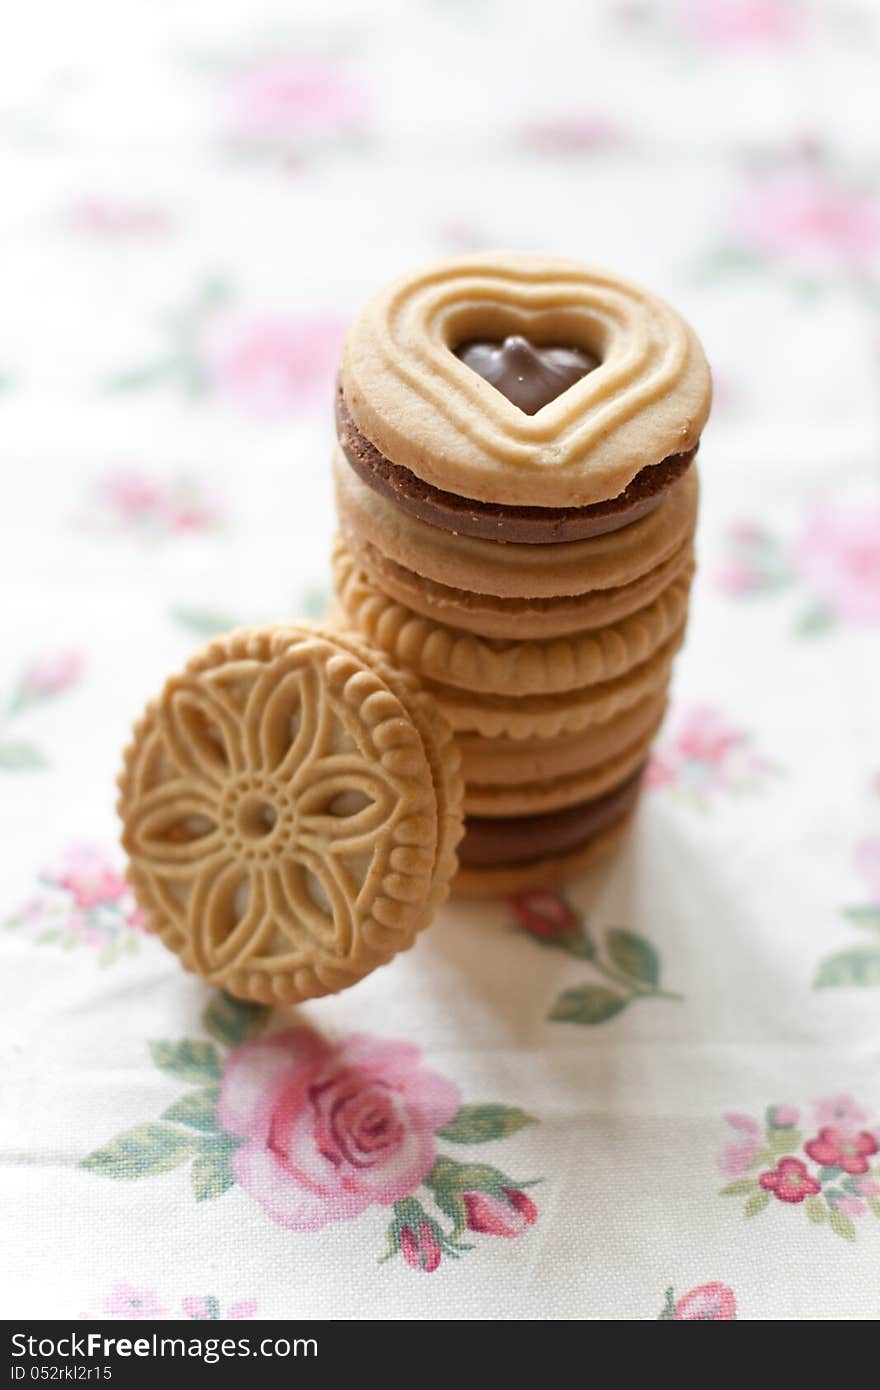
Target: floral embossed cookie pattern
[{"x": 281, "y": 816}]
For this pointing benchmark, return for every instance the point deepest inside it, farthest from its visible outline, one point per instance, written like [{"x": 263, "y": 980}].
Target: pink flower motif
[
  {"x": 784, "y": 1115},
  {"x": 273, "y": 366},
  {"x": 421, "y": 1248},
  {"x": 867, "y": 859},
  {"x": 245, "y": 1308},
  {"x": 789, "y": 1181},
  {"x": 869, "y": 1187},
  {"x": 741, "y": 23},
  {"x": 738, "y": 1158},
  {"x": 294, "y": 101},
  {"x": 141, "y": 502},
  {"x": 801, "y": 214},
  {"x": 744, "y": 1123},
  {"x": 574, "y": 133},
  {"x": 508, "y": 1215},
  {"x": 51, "y": 674},
  {"x": 707, "y": 1303},
  {"x": 838, "y": 555},
  {"x": 737, "y": 579},
  {"x": 851, "y": 1206},
  {"x": 131, "y": 494},
  {"x": 116, "y": 220},
  {"x": 843, "y": 1149},
  {"x": 659, "y": 772},
  {"x": 331, "y": 1129},
  {"x": 705, "y": 737},
  {"x": 841, "y": 1111},
  {"x": 196, "y": 1307},
  {"x": 126, "y": 1301},
  {"x": 544, "y": 914},
  {"x": 136, "y": 919},
  {"x": 93, "y": 884}
]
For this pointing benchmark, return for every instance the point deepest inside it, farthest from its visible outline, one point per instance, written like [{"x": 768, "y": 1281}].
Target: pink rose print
[
  {"x": 801, "y": 213},
  {"x": 742, "y": 23},
  {"x": 420, "y": 1247},
  {"x": 272, "y": 366},
  {"x": 505, "y": 1215},
  {"x": 838, "y": 557},
  {"x": 867, "y": 859},
  {"x": 706, "y": 1303},
  {"x": 574, "y": 133},
  {"x": 115, "y": 219},
  {"x": 841, "y": 1111},
  {"x": 789, "y": 1181},
  {"x": 706, "y": 758},
  {"x": 83, "y": 900},
  {"x": 331, "y": 1131},
  {"x": 289, "y": 105},
  {"x": 847, "y": 1151},
  {"x": 125, "y": 1301},
  {"x": 267, "y": 363},
  {"x": 544, "y": 914},
  {"x": 44, "y": 679},
  {"x": 830, "y": 1179},
  {"x": 49, "y": 675},
  {"x": 130, "y": 500},
  {"x": 317, "y": 1132}
]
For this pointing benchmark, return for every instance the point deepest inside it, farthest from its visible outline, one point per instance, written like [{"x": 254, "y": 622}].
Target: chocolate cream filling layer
[
  {"x": 490, "y": 841},
  {"x": 465, "y": 516}
]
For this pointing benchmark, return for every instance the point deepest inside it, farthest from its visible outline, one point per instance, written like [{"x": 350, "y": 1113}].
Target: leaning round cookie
[
  {"x": 509, "y": 762},
  {"x": 500, "y": 881},
  {"x": 519, "y": 618},
  {"x": 511, "y": 570},
  {"x": 441, "y": 750},
  {"x": 426, "y": 410},
  {"x": 526, "y": 667},
  {"x": 557, "y": 793},
  {"x": 548, "y": 716},
  {"x": 280, "y": 816}
]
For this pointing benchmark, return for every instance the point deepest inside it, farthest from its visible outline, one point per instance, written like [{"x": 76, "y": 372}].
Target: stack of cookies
[{"x": 517, "y": 501}]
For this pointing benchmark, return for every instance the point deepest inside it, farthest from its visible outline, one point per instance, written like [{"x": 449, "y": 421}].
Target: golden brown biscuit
[
  {"x": 522, "y": 667},
  {"x": 514, "y": 571},
  {"x": 427, "y": 411},
  {"x": 500, "y": 762},
  {"x": 520, "y": 618},
  {"x": 547, "y": 716},
  {"x": 555, "y": 793},
  {"x": 281, "y": 816}
]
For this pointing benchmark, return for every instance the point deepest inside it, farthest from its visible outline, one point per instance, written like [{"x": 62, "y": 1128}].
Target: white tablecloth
[{"x": 657, "y": 1097}]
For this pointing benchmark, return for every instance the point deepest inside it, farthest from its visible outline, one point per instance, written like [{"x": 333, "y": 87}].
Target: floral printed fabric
[{"x": 654, "y": 1097}]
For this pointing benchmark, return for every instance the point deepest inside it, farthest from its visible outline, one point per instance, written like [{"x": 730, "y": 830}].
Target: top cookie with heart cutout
[{"x": 426, "y": 410}]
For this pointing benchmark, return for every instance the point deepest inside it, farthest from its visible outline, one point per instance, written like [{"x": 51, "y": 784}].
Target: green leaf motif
[
  {"x": 868, "y": 916},
  {"x": 198, "y": 1109},
  {"x": 450, "y": 1176},
  {"x": 816, "y": 1210},
  {"x": 20, "y": 757},
  {"x": 632, "y": 954},
  {"x": 141, "y": 1152},
  {"x": 741, "y": 1188},
  {"x": 452, "y": 1205},
  {"x": 829, "y": 1173},
  {"x": 815, "y": 620},
  {"x": 477, "y": 1124},
  {"x": 856, "y": 968},
  {"x": 842, "y": 1225},
  {"x": 233, "y": 1021},
  {"x": 203, "y": 622},
  {"x": 783, "y": 1141},
  {"x": 587, "y": 1005},
  {"x": 187, "y": 1060},
  {"x": 211, "y": 1176},
  {"x": 756, "y": 1203}
]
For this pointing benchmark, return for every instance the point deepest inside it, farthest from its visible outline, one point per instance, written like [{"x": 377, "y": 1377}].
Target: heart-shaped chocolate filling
[{"x": 528, "y": 374}]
